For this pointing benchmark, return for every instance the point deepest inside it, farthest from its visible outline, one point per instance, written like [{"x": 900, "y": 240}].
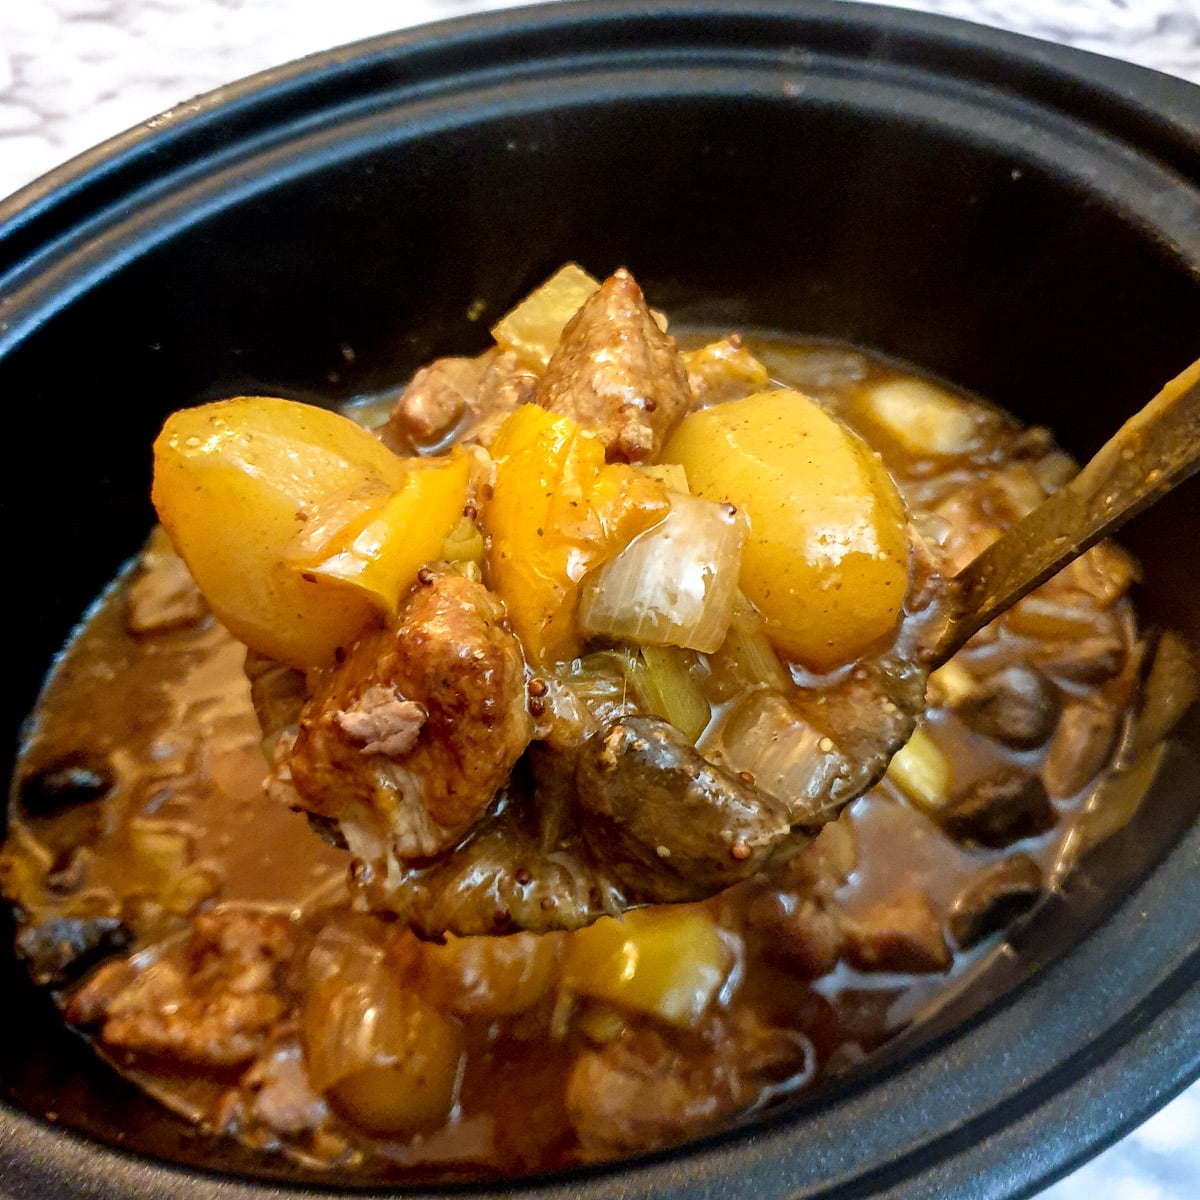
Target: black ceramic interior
[{"x": 1019, "y": 218}]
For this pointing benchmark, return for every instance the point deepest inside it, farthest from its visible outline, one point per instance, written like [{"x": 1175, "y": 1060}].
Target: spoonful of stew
[{"x": 485, "y": 639}]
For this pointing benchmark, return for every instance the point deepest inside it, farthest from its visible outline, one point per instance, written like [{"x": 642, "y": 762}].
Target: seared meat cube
[
  {"x": 433, "y": 404},
  {"x": 902, "y": 933},
  {"x": 406, "y": 743},
  {"x": 274, "y": 1096},
  {"x": 457, "y": 399},
  {"x": 650, "y": 1087},
  {"x": 618, "y": 374},
  {"x": 1085, "y": 740},
  {"x": 798, "y": 934},
  {"x": 211, "y": 1001},
  {"x": 1018, "y": 705}
]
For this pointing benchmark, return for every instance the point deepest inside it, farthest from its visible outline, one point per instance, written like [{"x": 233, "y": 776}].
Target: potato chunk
[
  {"x": 826, "y": 562},
  {"x": 667, "y": 962},
  {"x": 287, "y": 516}
]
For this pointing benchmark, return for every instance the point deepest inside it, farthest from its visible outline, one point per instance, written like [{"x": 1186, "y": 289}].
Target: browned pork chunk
[
  {"x": 212, "y": 1001},
  {"x": 458, "y": 399},
  {"x": 618, "y": 374},
  {"x": 405, "y": 744}
]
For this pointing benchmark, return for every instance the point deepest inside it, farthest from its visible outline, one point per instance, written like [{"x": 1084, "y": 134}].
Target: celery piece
[
  {"x": 161, "y": 852},
  {"x": 671, "y": 475},
  {"x": 672, "y": 690},
  {"x": 750, "y": 648},
  {"x": 464, "y": 543}
]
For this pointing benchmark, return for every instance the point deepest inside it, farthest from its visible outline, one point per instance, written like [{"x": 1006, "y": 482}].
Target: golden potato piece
[
  {"x": 236, "y": 481},
  {"x": 826, "y": 562}
]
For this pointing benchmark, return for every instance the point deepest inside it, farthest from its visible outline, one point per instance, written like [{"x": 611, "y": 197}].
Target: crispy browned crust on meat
[
  {"x": 618, "y": 374},
  {"x": 211, "y": 1001},
  {"x": 406, "y": 743}
]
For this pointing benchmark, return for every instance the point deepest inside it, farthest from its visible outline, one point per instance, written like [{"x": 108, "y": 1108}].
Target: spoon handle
[{"x": 1150, "y": 454}]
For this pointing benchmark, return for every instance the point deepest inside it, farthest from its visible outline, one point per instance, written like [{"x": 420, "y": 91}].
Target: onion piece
[
  {"x": 673, "y": 585},
  {"x": 788, "y": 758}
]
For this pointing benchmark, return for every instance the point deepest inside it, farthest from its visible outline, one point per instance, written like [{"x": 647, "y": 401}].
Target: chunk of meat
[
  {"x": 275, "y": 1092},
  {"x": 799, "y": 935},
  {"x": 455, "y": 399},
  {"x": 619, "y": 1100},
  {"x": 796, "y": 913},
  {"x": 618, "y": 374},
  {"x": 902, "y": 933},
  {"x": 1017, "y": 705},
  {"x": 407, "y": 742},
  {"x": 507, "y": 876},
  {"x": 433, "y": 404},
  {"x": 643, "y": 1090},
  {"x": 211, "y": 1001},
  {"x": 994, "y": 898},
  {"x": 507, "y": 384},
  {"x": 1085, "y": 740}
]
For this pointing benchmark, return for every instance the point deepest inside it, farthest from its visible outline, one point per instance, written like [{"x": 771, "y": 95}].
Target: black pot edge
[
  {"x": 1160, "y": 112},
  {"x": 1168, "y": 1017}
]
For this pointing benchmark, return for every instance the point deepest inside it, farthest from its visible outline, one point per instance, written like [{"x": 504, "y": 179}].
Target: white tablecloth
[{"x": 73, "y": 72}]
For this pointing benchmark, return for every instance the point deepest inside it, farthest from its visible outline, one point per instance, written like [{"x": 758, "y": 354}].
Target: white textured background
[{"x": 73, "y": 72}]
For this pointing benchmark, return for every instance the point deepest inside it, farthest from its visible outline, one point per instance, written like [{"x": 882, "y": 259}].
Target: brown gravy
[{"x": 139, "y": 807}]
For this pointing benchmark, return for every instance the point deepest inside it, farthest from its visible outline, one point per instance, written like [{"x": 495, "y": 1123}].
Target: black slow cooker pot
[{"x": 1018, "y": 217}]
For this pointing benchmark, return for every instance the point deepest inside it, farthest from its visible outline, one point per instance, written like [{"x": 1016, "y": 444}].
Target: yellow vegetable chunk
[
  {"x": 921, "y": 771},
  {"x": 923, "y": 419},
  {"x": 408, "y": 529},
  {"x": 826, "y": 562},
  {"x": 668, "y": 962},
  {"x": 557, "y": 512},
  {"x": 533, "y": 328},
  {"x": 236, "y": 481}
]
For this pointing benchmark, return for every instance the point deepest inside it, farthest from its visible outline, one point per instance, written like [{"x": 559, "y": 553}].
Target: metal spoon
[{"x": 1150, "y": 454}]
